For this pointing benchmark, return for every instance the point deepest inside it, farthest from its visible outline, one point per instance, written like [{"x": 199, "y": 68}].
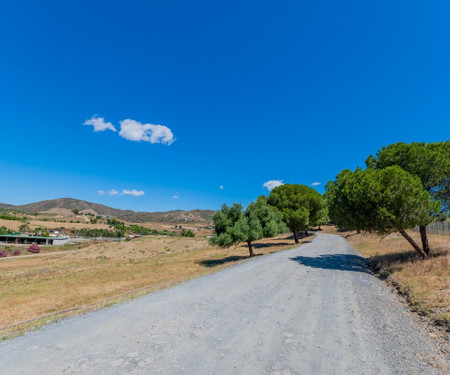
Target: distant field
[
  {"x": 34, "y": 223},
  {"x": 425, "y": 283},
  {"x": 55, "y": 221},
  {"x": 96, "y": 275}
]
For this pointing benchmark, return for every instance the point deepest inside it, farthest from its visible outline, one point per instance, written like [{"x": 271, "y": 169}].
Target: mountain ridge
[{"x": 66, "y": 205}]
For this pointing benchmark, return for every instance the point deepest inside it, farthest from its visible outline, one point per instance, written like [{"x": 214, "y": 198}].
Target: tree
[
  {"x": 4, "y": 230},
  {"x": 263, "y": 221},
  {"x": 39, "y": 231},
  {"x": 75, "y": 211},
  {"x": 232, "y": 225},
  {"x": 382, "y": 201},
  {"x": 428, "y": 161},
  {"x": 24, "y": 227},
  {"x": 343, "y": 206},
  {"x": 301, "y": 207},
  {"x": 187, "y": 233}
]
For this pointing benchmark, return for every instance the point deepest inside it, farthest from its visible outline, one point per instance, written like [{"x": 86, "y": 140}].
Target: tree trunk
[
  {"x": 424, "y": 238},
  {"x": 250, "y": 248},
  {"x": 306, "y": 233},
  {"x": 295, "y": 237},
  {"x": 413, "y": 243}
]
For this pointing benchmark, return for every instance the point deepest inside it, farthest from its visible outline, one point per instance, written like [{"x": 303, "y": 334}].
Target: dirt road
[{"x": 312, "y": 310}]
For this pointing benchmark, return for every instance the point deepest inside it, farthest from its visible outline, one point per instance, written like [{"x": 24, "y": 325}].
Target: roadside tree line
[
  {"x": 289, "y": 207},
  {"x": 402, "y": 186}
]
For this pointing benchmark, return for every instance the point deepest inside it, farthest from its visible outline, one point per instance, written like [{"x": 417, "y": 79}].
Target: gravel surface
[{"x": 312, "y": 310}]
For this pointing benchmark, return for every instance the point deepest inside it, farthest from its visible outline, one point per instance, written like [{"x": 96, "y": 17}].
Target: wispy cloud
[
  {"x": 315, "y": 184},
  {"x": 272, "y": 184},
  {"x": 113, "y": 192},
  {"x": 135, "y": 131},
  {"x": 175, "y": 196},
  {"x": 99, "y": 124},
  {"x": 221, "y": 187},
  {"x": 134, "y": 192}
]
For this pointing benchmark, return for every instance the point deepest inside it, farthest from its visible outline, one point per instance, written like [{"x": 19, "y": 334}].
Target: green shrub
[{"x": 187, "y": 233}]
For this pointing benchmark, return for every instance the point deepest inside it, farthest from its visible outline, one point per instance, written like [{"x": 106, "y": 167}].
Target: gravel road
[{"x": 312, "y": 310}]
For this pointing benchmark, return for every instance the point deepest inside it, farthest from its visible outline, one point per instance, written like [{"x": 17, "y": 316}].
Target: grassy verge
[
  {"x": 424, "y": 283},
  {"x": 44, "y": 248},
  {"x": 105, "y": 273}
]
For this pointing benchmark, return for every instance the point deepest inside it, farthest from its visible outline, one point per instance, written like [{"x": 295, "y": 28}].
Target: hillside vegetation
[{"x": 64, "y": 206}]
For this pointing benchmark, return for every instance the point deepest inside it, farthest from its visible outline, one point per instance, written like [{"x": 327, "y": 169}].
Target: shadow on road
[
  {"x": 300, "y": 236},
  {"x": 341, "y": 262},
  {"x": 218, "y": 262},
  {"x": 270, "y": 244}
]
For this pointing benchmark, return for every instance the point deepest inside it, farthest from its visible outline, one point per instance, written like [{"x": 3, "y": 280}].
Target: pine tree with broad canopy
[
  {"x": 428, "y": 161},
  {"x": 302, "y": 207},
  {"x": 381, "y": 201},
  {"x": 233, "y": 225}
]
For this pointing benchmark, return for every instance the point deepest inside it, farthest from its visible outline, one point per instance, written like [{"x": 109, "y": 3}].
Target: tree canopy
[
  {"x": 430, "y": 162},
  {"x": 233, "y": 225},
  {"x": 302, "y": 207},
  {"x": 382, "y": 201},
  {"x": 25, "y": 227}
]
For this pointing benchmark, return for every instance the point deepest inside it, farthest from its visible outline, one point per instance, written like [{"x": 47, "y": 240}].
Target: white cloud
[
  {"x": 113, "y": 192},
  {"x": 315, "y": 184},
  {"x": 136, "y": 131},
  {"x": 271, "y": 184},
  {"x": 99, "y": 124},
  {"x": 134, "y": 192},
  {"x": 221, "y": 187},
  {"x": 175, "y": 196},
  {"x": 101, "y": 192}
]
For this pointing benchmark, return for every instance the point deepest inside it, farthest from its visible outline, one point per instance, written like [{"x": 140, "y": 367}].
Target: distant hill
[
  {"x": 64, "y": 206},
  {"x": 6, "y": 206}
]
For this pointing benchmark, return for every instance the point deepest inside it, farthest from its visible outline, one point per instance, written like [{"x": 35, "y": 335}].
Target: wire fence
[{"x": 442, "y": 228}]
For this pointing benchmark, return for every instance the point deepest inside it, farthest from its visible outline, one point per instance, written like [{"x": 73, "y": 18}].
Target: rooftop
[{"x": 32, "y": 237}]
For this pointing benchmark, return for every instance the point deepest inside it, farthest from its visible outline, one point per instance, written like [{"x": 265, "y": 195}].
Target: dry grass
[
  {"x": 44, "y": 248},
  {"x": 54, "y": 222},
  {"x": 425, "y": 283},
  {"x": 34, "y": 223},
  {"x": 33, "y": 286}
]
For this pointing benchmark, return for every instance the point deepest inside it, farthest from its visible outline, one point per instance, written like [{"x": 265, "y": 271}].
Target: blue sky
[{"x": 246, "y": 92}]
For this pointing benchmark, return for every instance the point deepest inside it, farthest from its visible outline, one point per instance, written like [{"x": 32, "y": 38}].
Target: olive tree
[
  {"x": 430, "y": 162},
  {"x": 382, "y": 201},
  {"x": 233, "y": 225},
  {"x": 24, "y": 227},
  {"x": 302, "y": 207}
]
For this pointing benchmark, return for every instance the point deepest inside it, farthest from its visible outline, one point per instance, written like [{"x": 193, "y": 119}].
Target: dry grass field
[
  {"x": 424, "y": 283},
  {"x": 54, "y": 222},
  {"x": 34, "y": 223},
  {"x": 103, "y": 273}
]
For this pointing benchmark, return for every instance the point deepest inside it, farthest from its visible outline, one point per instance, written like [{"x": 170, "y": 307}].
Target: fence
[{"x": 442, "y": 228}]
